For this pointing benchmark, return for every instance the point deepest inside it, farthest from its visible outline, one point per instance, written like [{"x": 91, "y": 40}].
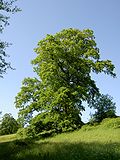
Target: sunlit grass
[
  {"x": 88, "y": 143},
  {"x": 7, "y": 138}
]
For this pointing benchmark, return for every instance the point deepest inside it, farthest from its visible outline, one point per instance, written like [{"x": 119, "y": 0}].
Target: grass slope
[{"x": 89, "y": 143}]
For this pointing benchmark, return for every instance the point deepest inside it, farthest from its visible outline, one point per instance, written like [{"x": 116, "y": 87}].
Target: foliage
[
  {"x": 88, "y": 127},
  {"x": 111, "y": 123},
  {"x": 8, "y": 125},
  {"x": 6, "y": 7},
  {"x": 27, "y": 99},
  {"x": 26, "y": 133},
  {"x": 104, "y": 106},
  {"x": 63, "y": 65}
]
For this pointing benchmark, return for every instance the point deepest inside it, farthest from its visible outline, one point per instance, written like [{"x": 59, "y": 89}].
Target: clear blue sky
[{"x": 42, "y": 17}]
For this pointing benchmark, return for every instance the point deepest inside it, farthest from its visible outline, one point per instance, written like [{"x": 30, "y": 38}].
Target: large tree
[
  {"x": 64, "y": 64},
  {"x": 6, "y": 8}
]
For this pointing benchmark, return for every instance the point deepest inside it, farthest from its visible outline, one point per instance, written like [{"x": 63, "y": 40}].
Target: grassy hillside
[{"x": 89, "y": 143}]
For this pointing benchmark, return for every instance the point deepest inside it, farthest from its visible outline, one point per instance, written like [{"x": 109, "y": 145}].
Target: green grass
[
  {"x": 7, "y": 138},
  {"x": 88, "y": 143}
]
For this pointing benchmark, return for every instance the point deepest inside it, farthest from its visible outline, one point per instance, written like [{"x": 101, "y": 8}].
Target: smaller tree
[
  {"x": 8, "y": 125},
  {"x": 104, "y": 106}
]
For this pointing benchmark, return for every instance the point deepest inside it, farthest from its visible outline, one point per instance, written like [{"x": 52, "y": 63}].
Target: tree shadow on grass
[
  {"x": 10, "y": 149},
  {"x": 24, "y": 150}
]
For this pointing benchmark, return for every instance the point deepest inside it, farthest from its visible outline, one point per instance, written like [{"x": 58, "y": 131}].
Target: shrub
[
  {"x": 26, "y": 133},
  {"x": 111, "y": 123},
  {"x": 88, "y": 127}
]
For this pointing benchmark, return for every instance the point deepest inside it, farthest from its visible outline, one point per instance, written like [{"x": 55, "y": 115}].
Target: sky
[{"x": 42, "y": 17}]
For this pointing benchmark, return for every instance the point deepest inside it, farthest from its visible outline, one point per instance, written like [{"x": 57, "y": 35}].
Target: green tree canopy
[
  {"x": 27, "y": 99},
  {"x": 8, "y": 125},
  {"x": 64, "y": 64},
  {"x": 104, "y": 107},
  {"x": 6, "y": 8}
]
